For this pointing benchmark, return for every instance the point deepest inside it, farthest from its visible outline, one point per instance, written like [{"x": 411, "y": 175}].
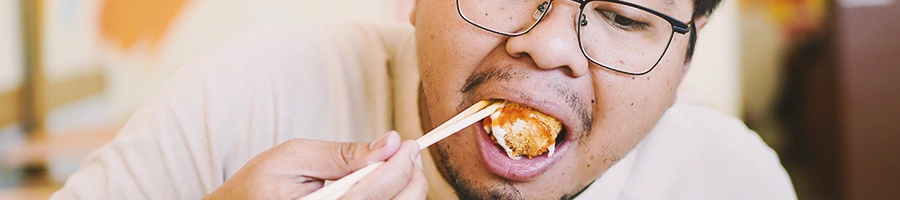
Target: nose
[{"x": 553, "y": 43}]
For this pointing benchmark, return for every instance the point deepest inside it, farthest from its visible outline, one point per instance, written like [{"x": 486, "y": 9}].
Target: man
[{"x": 247, "y": 122}]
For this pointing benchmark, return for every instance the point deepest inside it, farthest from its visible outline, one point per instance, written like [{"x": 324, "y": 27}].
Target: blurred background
[{"x": 817, "y": 79}]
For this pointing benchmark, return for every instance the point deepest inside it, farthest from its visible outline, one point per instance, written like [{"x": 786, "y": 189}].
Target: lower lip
[{"x": 523, "y": 169}]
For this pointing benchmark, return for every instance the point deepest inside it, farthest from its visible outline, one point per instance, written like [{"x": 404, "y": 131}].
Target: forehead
[{"x": 674, "y": 8}]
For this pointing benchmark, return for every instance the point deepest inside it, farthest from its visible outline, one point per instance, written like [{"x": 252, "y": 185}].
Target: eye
[{"x": 622, "y": 21}]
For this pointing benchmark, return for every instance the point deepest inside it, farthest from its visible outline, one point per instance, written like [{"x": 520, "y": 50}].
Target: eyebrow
[
  {"x": 670, "y": 2},
  {"x": 670, "y": 5}
]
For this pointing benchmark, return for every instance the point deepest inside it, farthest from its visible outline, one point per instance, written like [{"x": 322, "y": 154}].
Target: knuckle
[
  {"x": 374, "y": 196},
  {"x": 407, "y": 174},
  {"x": 285, "y": 148},
  {"x": 296, "y": 142},
  {"x": 423, "y": 190},
  {"x": 423, "y": 193},
  {"x": 424, "y": 184},
  {"x": 367, "y": 195},
  {"x": 421, "y": 181},
  {"x": 347, "y": 153}
]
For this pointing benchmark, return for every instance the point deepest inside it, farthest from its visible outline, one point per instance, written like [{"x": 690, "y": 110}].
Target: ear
[
  {"x": 412, "y": 15},
  {"x": 700, "y": 21}
]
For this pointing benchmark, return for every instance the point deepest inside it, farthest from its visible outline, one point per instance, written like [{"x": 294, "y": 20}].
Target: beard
[{"x": 466, "y": 189}]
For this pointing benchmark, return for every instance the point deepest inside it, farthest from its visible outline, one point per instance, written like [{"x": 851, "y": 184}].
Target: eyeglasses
[{"x": 620, "y": 36}]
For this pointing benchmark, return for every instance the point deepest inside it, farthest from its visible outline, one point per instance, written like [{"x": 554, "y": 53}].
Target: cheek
[
  {"x": 449, "y": 50},
  {"x": 628, "y": 107}
]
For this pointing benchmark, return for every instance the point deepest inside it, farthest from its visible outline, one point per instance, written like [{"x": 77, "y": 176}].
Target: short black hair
[{"x": 701, "y": 8}]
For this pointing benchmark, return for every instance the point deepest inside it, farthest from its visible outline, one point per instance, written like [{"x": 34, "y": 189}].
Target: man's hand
[{"x": 298, "y": 167}]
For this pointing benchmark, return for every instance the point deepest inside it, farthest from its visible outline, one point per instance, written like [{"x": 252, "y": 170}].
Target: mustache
[
  {"x": 572, "y": 99},
  {"x": 491, "y": 74}
]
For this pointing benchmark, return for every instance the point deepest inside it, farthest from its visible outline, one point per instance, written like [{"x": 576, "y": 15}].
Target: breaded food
[{"x": 522, "y": 131}]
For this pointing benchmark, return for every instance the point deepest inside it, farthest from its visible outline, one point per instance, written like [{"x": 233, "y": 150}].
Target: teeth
[{"x": 551, "y": 149}]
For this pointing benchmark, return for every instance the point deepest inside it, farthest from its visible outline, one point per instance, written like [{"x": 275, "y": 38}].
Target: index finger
[
  {"x": 390, "y": 178},
  {"x": 333, "y": 160}
]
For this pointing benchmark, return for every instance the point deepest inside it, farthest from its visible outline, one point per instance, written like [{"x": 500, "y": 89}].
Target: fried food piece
[{"x": 522, "y": 131}]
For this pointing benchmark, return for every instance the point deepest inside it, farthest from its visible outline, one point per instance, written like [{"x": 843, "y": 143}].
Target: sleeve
[
  {"x": 264, "y": 87},
  {"x": 163, "y": 152}
]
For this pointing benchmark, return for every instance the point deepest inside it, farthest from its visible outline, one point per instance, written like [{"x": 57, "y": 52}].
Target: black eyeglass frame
[{"x": 678, "y": 26}]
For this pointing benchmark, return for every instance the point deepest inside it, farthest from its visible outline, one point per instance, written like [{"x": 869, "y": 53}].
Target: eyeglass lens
[
  {"x": 613, "y": 35},
  {"x": 508, "y": 17}
]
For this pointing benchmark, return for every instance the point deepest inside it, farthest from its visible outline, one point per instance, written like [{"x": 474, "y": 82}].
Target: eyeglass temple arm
[{"x": 682, "y": 28}]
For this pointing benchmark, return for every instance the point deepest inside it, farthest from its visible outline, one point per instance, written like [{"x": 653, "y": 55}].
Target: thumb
[{"x": 333, "y": 160}]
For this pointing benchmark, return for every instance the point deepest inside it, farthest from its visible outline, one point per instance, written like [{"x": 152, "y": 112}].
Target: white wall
[
  {"x": 715, "y": 74},
  {"x": 70, "y": 42},
  {"x": 11, "y": 66}
]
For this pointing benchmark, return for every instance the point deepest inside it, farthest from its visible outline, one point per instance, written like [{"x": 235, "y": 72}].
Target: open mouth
[
  {"x": 520, "y": 142},
  {"x": 523, "y": 132}
]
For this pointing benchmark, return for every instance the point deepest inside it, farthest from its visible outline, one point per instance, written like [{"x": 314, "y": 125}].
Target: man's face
[{"x": 604, "y": 113}]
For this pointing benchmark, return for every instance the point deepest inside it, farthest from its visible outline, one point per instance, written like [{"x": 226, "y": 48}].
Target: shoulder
[
  {"x": 305, "y": 77},
  {"x": 297, "y": 47},
  {"x": 698, "y": 152},
  {"x": 717, "y": 135}
]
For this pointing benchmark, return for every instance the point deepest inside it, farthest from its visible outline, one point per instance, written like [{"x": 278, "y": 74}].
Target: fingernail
[
  {"x": 380, "y": 142},
  {"x": 415, "y": 156}
]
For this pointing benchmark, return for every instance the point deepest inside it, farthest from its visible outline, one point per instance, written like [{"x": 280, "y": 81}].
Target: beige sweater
[{"x": 353, "y": 82}]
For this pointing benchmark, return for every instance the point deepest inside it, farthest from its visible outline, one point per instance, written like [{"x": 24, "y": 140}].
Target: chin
[{"x": 471, "y": 179}]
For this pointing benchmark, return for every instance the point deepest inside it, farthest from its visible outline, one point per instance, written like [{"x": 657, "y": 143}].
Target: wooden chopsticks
[
  {"x": 474, "y": 113},
  {"x": 462, "y": 120}
]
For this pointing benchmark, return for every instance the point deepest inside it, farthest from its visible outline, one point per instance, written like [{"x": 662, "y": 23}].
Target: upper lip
[{"x": 553, "y": 107}]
